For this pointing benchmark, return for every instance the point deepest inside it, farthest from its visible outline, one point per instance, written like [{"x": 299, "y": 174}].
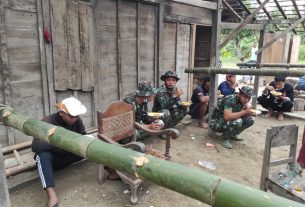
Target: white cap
[{"x": 71, "y": 106}]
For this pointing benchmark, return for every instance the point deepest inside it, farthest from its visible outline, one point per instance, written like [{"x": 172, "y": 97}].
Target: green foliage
[{"x": 243, "y": 40}]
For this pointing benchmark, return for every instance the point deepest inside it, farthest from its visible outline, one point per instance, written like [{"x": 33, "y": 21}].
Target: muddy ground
[{"x": 77, "y": 185}]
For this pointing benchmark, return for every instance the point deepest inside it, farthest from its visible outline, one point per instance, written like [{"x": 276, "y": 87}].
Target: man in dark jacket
[
  {"x": 49, "y": 158},
  {"x": 200, "y": 101},
  {"x": 281, "y": 101}
]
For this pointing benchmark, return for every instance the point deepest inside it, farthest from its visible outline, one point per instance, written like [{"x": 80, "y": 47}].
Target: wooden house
[{"x": 95, "y": 50}]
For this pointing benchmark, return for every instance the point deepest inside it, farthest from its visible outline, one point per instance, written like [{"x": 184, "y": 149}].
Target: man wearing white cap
[{"x": 49, "y": 158}]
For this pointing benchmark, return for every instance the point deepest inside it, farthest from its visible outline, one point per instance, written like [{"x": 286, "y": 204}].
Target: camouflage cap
[
  {"x": 169, "y": 73},
  {"x": 145, "y": 88},
  {"x": 246, "y": 90}
]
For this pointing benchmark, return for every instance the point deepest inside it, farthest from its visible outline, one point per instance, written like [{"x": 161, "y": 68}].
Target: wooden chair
[
  {"x": 118, "y": 123},
  {"x": 276, "y": 137}
]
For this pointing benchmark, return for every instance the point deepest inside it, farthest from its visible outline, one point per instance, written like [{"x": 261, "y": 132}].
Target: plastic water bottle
[{"x": 206, "y": 164}]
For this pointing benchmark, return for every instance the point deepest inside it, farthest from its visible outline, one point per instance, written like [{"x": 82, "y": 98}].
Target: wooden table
[{"x": 286, "y": 182}]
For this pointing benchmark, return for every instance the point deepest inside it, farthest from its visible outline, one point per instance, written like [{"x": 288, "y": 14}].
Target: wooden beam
[
  {"x": 160, "y": 43},
  {"x": 298, "y": 12},
  {"x": 4, "y": 195},
  {"x": 231, "y": 25},
  {"x": 268, "y": 15},
  {"x": 49, "y": 55},
  {"x": 214, "y": 61},
  {"x": 282, "y": 12},
  {"x": 43, "y": 66},
  {"x": 198, "y": 3},
  {"x": 231, "y": 9},
  {"x": 244, "y": 6},
  {"x": 4, "y": 66},
  {"x": 243, "y": 24},
  {"x": 280, "y": 35},
  {"x": 259, "y": 60}
]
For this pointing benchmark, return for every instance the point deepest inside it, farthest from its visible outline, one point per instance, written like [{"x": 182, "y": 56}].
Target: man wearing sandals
[
  {"x": 200, "y": 101},
  {"x": 167, "y": 100},
  {"x": 231, "y": 116},
  {"x": 49, "y": 158}
]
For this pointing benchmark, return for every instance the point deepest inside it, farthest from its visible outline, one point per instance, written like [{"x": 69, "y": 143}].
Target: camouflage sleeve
[{"x": 228, "y": 104}]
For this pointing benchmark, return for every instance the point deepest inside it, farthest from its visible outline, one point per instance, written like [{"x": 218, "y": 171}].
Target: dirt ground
[{"x": 77, "y": 185}]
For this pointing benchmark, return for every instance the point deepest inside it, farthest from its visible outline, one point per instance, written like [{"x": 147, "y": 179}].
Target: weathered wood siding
[
  {"x": 147, "y": 41},
  {"x": 183, "y": 54},
  {"x": 19, "y": 37},
  {"x": 72, "y": 36},
  {"x": 106, "y": 52},
  {"x": 126, "y": 47},
  {"x": 99, "y": 52}
]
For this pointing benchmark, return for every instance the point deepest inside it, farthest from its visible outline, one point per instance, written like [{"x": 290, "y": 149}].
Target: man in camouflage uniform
[
  {"x": 167, "y": 100},
  {"x": 144, "y": 94},
  {"x": 232, "y": 116}
]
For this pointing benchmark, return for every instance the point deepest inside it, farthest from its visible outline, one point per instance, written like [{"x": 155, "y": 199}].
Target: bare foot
[
  {"x": 203, "y": 125},
  {"x": 270, "y": 111},
  {"x": 280, "y": 117}
]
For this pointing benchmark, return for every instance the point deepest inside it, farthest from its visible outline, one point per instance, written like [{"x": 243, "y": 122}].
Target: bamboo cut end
[
  {"x": 52, "y": 131},
  {"x": 7, "y": 113}
]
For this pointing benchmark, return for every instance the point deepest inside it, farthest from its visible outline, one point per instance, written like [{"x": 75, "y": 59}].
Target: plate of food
[
  {"x": 276, "y": 93},
  {"x": 186, "y": 103},
  {"x": 257, "y": 112},
  {"x": 155, "y": 115}
]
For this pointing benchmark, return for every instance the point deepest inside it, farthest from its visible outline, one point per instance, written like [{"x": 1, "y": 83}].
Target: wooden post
[
  {"x": 49, "y": 55},
  {"x": 232, "y": 10},
  {"x": 243, "y": 24},
  {"x": 298, "y": 12},
  {"x": 296, "y": 23},
  {"x": 160, "y": 42},
  {"x": 119, "y": 64},
  {"x": 214, "y": 61},
  {"x": 46, "y": 104},
  {"x": 259, "y": 60},
  {"x": 7, "y": 93},
  {"x": 4, "y": 195}
]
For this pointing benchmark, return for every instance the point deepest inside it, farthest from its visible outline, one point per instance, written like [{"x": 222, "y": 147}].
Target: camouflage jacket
[
  {"x": 164, "y": 99},
  {"x": 141, "y": 110},
  {"x": 229, "y": 102}
]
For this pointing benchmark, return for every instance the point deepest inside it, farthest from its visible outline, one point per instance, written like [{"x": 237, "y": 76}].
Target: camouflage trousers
[
  {"x": 231, "y": 128},
  {"x": 173, "y": 117}
]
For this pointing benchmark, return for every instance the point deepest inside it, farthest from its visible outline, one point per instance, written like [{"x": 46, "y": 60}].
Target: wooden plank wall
[
  {"x": 126, "y": 47},
  {"x": 169, "y": 46},
  {"x": 294, "y": 49},
  {"x": 277, "y": 52},
  {"x": 148, "y": 41},
  {"x": 183, "y": 52},
  {"x": 99, "y": 51},
  {"x": 127, "y": 25},
  {"x": 23, "y": 59},
  {"x": 72, "y": 34},
  {"x": 106, "y": 52}
]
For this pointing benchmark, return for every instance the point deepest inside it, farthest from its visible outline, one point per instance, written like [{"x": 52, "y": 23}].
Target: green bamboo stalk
[
  {"x": 259, "y": 72},
  {"x": 205, "y": 187}
]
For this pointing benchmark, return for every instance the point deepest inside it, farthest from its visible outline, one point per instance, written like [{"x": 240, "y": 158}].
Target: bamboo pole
[
  {"x": 264, "y": 72},
  {"x": 205, "y": 187},
  {"x": 271, "y": 65},
  {"x": 4, "y": 194},
  {"x": 11, "y": 148}
]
